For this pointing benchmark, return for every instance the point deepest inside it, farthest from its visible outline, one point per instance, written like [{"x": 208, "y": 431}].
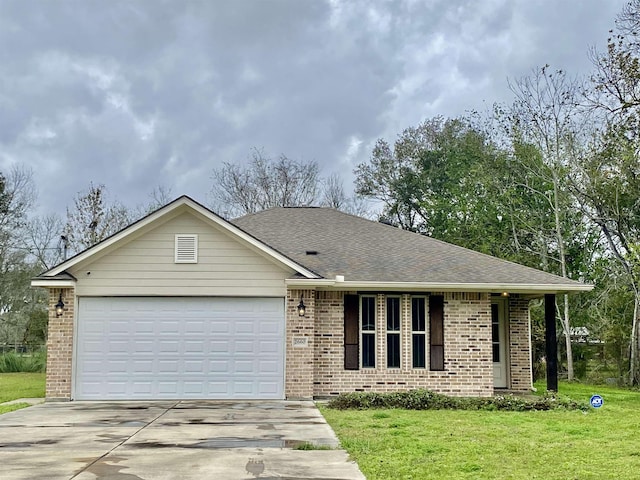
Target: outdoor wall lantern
[
  {"x": 59, "y": 306},
  {"x": 302, "y": 308}
]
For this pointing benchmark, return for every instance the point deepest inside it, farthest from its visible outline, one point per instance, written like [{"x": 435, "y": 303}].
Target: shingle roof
[{"x": 367, "y": 251}]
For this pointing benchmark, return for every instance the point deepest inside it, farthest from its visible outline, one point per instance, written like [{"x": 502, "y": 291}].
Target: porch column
[{"x": 551, "y": 341}]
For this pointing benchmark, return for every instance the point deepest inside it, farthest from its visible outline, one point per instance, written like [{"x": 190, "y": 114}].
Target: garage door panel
[
  {"x": 196, "y": 366},
  {"x": 144, "y": 326},
  {"x": 269, "y": 368},
  {"x": 220, "y": 347},
  {"x": 173, "y": 348},
  {"x": 195, "y": 347},
  {"x": 144, "y": 366},
  {"x": 220, "y": 328},
  {"x": 219, "y": 389},
  {"x": 268, "y": 388},
  {"x": 142, "y": 387},
  {"x": 168, "y": 388},
  {"x": 218, "y": 366},
  {"x": 143, "y": 346}
]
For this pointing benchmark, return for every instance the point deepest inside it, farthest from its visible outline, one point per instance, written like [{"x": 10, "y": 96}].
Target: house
[{"x": 286, "y": 303}]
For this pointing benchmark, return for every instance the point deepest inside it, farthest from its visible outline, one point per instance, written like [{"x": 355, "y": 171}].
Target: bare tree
[
  {"x": 17, "y": 196},
  {"x": 159, "y": 197},
  {"x": 44, "y": 240},
  {"x": 546, "y": 114},
  {"x": 93, "y": 218},
  {"x": 333, "y": 194},
  {"x": 264, "y": 183}
]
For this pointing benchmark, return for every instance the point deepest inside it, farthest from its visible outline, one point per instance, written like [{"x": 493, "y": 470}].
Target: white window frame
[
  {"x": 393, "y": 332},
  {"x": 423, "y": 333},
  {"x": 364, "y": 332}
]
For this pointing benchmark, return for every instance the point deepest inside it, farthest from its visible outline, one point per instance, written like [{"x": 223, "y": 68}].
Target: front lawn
[
  {"x": 400, "y": 444},
  {"x": 20, "y": 385}
]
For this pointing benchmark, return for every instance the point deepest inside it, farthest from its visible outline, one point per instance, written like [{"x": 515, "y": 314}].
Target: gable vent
[{"x": 186, "y": 248}]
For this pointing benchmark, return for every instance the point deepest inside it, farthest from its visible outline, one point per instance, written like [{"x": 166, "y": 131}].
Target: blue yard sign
[{"x": 596, "y": 401}]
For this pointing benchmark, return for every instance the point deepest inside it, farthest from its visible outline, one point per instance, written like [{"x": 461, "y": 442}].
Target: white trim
[
  {"x": 369, "y": 332},
  {"x": 53, "y": 283},
  {"x": 392, "y": 332},
  {"x": 423, "y": 333},
  {"x": 185, "y": 202},
  {"x": 439, "y": 287}
]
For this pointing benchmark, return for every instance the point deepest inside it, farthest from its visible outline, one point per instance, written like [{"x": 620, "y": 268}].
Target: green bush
[
  {"x": 427, "y": 400},
  {"x": 14, "y": 362}
]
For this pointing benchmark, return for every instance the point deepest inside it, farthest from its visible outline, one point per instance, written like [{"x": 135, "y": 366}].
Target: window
[
  {"x": 368, "y": 331},
  {"x": 495, "y": 332},
  {"x": 186, "y": 248},
  {"x": 418, "y": 332},
  {"x": 393, "y": 332},
  {"x": 436, "y": 332}
]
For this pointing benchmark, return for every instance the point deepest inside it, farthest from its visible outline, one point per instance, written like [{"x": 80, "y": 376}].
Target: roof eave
[
  {"x": 332, "y": 284},
  {"x": 62, "y": 280}
]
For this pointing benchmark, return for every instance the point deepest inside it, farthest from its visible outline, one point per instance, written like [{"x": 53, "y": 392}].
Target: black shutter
[
  {"x": 436, "y": 332},
  {"x": 351, "y": 332}
]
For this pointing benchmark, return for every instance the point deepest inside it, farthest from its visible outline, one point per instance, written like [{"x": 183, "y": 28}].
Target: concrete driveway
[{"x": 170, "y": 440}]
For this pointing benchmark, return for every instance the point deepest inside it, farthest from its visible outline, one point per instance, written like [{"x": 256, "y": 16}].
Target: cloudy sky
[{"x": 146, "y": 93}]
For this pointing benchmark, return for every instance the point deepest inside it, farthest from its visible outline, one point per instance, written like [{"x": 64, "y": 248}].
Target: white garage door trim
[{"x": 144, "y": 348}]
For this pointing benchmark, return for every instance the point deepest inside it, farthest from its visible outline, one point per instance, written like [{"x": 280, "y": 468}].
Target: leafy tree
[
  {"x": 439, "y": 178},
  {"x": 608, "y": 180},
  {"x": 608, "y": 184}
]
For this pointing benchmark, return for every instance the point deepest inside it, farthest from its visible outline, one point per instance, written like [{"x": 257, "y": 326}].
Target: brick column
[
  {"x": 519, "y": 344},
  {"x": 300, "y": 345},
  {"x": 60, "y": 345}
]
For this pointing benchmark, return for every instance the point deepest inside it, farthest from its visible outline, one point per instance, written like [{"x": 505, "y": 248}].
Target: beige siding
[{"x": 145, "y": 266}]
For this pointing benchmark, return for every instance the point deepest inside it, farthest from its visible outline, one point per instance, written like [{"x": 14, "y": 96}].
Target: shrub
[
  {"x": 427, "y": 400},
  {"x": 13, "y": 362}
]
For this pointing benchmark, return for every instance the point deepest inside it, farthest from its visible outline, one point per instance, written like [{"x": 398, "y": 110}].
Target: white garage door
[{"x": 180, "y": 348}]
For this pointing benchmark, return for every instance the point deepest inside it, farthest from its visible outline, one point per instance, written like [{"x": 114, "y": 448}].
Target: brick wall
[
  {"x": 60, "y": 345},
  {"x": 299, "y": 355},
  {"x": 520, "y": 344},
  {"x": 468, "y": 366}
]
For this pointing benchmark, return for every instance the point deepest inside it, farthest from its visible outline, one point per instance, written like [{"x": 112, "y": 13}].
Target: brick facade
[
  {"x": 468, "y": 366},
  {"x": 60, "y": 345},
  {"x": 315, "y": 347}
]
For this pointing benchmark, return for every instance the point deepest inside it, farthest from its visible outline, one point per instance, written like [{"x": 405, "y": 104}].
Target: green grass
[
  {"x": 12, "y": 407},
  {"x": 559, "y": 444},
  {"x": 21, "y": 385}
]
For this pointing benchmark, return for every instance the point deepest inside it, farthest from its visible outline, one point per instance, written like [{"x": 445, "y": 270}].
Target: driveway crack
[{"x": 89, "y": 465}]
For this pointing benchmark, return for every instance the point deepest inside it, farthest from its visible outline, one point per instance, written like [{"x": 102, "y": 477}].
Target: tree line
[{"x": 550, "y": 180}]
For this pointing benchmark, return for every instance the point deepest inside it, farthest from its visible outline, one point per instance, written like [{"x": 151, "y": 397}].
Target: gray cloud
[{"x": 135, "y": 94}]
